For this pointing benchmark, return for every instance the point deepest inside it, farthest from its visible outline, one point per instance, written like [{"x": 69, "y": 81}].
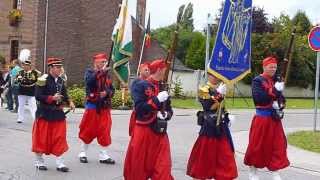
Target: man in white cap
[{"x": 26, "y": 79}]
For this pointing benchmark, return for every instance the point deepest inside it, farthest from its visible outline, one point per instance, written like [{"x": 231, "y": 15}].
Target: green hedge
[
  {"x": 117, "y": 101},
  {"x": 77, "y": 94}
]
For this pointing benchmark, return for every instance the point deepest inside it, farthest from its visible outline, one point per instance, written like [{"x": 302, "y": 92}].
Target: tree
[
  {"x": 195, "y": 57},
  {"x": 302, "y": 22},
  {"x": 187, "y": 20},
  {"x": 303, "y": 68},
  {"x": 219, "y": 14},
  {"x": 215, "y": 25},
  {"x": 177, "y": 89},
  {"x": 163, "y": 35},
  {"x": 282, "y": 24},
  {"x": 260, "y": 22}
]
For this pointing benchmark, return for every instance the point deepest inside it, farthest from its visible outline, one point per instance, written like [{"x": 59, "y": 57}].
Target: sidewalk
[{"x": 298, "y": 158}]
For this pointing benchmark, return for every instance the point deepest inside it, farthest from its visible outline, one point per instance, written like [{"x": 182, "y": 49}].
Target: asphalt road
[{"x": 16, "y": 158}]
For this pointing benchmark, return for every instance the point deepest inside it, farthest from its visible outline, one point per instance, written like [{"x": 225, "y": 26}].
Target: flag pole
[
  {"x": 141, "y": 53},
  {"x": 207, "y": 48}
]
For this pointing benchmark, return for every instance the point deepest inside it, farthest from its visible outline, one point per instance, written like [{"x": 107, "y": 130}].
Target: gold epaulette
[
  {"x": 41, "y": 81},
  {"x": 38, "y": 72},
  {"x": 203, "y": 92}
]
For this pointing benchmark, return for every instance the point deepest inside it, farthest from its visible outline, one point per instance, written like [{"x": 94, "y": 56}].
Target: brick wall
[
  {"x": 76, "y": 31},
  {"x": 24, "y": 32}
]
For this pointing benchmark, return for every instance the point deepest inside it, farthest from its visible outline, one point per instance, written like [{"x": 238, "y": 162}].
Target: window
[
  {"x": 14, "y": 49},
  {"x": 17, "y": 4}
]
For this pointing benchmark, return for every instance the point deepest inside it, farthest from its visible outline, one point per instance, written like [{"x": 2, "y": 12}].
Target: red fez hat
[
  {"x": 52, "y": 61},
  {"x": 269, "y": 60},
  {"x": 100, "y": 57},
  {"x": 157, "y": 64}
]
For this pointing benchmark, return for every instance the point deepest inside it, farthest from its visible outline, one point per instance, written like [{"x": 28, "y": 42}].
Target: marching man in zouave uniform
[
  {"x": 144, "y": 73},
  {"x": 96, "y": 121},
  {"x": 267, "y": 141},
  {"x": 148, "y": 154},
  {"x": 50, "y": 127}
]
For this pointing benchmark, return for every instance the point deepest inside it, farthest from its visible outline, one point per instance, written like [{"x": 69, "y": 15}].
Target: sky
[{"x": 164, "y": 12}]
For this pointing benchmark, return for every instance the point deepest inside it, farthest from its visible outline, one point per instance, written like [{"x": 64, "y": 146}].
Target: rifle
[
  {"x": 164, "y": 85},
  {"x": 161, "y": 124},
  {"x": 283, "y": 72}
]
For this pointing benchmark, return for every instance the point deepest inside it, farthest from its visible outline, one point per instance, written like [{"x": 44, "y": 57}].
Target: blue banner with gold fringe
[{"x": 231, "y": 57}]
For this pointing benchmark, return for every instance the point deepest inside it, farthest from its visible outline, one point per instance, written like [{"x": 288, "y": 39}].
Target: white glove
[
  {"x": 275, "y": 105},
  {"x": 279, "y": 86},
  {"x": 160, "y": 115},
  {"x": 232, "y": 118},
  {"x": 163, "y": 96},
  {"x": 222, "y": 89}
]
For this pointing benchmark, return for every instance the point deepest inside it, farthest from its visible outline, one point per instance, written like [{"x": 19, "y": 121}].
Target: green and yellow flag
[{"x": 122, "y": 44}]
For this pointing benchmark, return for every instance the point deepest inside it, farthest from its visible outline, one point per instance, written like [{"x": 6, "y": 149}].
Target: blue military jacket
[
  {"x": 96, "y": 82},
  {"x": 264, "y": 93},
  {"x": 146, "y": 104},
  {"x": 46, "y": 88}
]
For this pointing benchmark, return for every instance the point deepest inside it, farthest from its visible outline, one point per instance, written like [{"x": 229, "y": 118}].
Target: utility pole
[
  {"x": 45, "y": 38},
  {"x": 207, "y": 60}
]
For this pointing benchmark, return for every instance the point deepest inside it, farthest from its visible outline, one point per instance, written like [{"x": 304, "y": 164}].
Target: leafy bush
[
  {"x": 177, "y": 89},
  {"x": 77, "y": 94},
  {"x": 117, "y": 100}
]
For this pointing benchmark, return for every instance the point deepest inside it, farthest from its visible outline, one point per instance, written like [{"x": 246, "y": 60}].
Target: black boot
[
  {"x": 63, "y": 169},
  {"x": 42, "y": 167},
  {"x": 83, "y": 159},
  {"x": 107, "y": 161}
]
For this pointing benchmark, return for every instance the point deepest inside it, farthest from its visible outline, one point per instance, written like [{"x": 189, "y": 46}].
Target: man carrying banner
[
  {"x": 267, "y": 142},
  {"x": 49, "y": 129},
  {"x": 212, "y": 155},
  {"x": 96, "y": 121},
  {"x": 144, "y": 73},
  {"x": 148, "y": 153}
]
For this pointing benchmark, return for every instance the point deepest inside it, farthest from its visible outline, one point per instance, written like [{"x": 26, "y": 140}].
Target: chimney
[{"x": 141, "y": 11}]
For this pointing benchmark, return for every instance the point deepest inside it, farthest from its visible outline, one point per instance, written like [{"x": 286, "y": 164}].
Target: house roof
[{"x": 156, "y": 51}]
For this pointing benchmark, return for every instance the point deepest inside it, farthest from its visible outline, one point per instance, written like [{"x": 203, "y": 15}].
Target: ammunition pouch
[
  {"x": 159, "y": 126},
  {"x": 200, "y": 118},
  {"x": 208, "y": 122},
  {"x": 277, "y": 114}
]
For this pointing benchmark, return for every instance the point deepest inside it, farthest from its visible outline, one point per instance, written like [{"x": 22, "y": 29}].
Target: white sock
[
  {"x": 84, "y": 149},
  {"x": 60, "y": 162},
  {"x": 39, "y": 160},
  {"x": 276, "y": 175},
  {"x": 253, "y": 173},
  {"x": 103, "y": 155}
]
